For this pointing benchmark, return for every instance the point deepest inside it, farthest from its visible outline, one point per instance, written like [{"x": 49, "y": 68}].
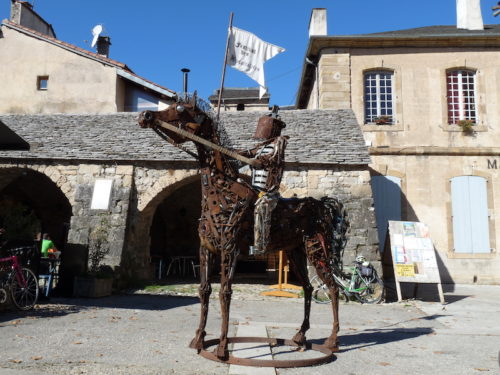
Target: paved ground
[{"x": 149, "y": 334}]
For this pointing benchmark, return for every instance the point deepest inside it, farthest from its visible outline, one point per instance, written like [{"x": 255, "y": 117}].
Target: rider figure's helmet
[{"x": 269, "y": 126}]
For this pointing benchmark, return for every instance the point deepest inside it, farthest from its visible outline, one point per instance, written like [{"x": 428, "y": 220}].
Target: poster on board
[{"x": 413, "y": 254}]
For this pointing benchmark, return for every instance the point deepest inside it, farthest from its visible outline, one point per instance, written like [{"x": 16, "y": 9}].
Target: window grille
[
  {"x": 461, "y": 89},
  {"x": 379, "y": 99}
]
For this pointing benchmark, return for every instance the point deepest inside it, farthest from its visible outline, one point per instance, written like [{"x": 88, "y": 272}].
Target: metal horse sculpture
[{"x": 305, "y": 228}]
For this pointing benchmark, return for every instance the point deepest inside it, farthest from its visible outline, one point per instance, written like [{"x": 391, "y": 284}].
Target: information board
[{"x": 413, "y": 254}]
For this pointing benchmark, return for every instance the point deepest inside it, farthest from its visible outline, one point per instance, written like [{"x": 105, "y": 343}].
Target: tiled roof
[
  {"x": 77, "y": 50},
  {"x": 489, "y": 30},
  {"x": 316, "y": 136}
]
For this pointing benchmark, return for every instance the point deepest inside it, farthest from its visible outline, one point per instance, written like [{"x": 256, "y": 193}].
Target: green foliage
[
  {"x": 466, "y": 126},
  {"x": 19, "y": 220}
]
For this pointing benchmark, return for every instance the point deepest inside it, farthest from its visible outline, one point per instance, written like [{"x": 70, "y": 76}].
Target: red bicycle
[{"x": 17, "y": 283}]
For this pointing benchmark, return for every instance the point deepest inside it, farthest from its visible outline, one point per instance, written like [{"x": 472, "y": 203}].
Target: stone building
[
  {"x": 54, "y": 164},
  {"x": 45, "y": 75},
  {"x": 427, "y": 99},
  {"x": 240, "y": 99}
]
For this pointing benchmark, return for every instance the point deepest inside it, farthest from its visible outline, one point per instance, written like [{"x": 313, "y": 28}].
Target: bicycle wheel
[
  {"x": 24, "y": 297},
  {"x": 320, "y": 294},
  {"x": 369, "y": 290}
]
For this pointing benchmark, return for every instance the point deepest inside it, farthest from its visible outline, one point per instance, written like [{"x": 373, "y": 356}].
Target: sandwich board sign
[{"x": 413, "y": 255}]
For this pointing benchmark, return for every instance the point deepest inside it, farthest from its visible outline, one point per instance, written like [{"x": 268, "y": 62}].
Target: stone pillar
[{"x": 84, "y": 218}]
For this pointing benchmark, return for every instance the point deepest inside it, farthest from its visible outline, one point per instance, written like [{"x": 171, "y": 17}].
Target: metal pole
[
  {"x": 185, "y": 72},
  {"x": 224, "y": 66}
]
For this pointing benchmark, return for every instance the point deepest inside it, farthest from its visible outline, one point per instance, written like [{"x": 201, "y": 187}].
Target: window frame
[
  {"x": 379, "y": 108},
  {"x": 461, "y": 99},
  {"x": 40, "y": 80}
]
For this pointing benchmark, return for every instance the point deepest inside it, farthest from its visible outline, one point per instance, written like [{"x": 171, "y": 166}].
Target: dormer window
[{"x": 42, "y": 83}]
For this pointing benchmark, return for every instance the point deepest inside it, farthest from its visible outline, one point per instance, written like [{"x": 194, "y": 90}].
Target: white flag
[{"x": 248, "y": 53}]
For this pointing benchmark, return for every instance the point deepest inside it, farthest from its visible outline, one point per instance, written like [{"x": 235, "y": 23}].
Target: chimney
[
  {"x": 22, "y": 13},
  {"x": 317, "y": 23},
  {"x": 103, "y": 43},
  {"x": 185, "y": 72},
  {"x": 469, "y": 15}
]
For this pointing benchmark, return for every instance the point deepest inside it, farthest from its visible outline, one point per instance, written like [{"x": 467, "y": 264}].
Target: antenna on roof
[
  {"x": 496, "y": 9},
  {"x": 96, "y": 31}
]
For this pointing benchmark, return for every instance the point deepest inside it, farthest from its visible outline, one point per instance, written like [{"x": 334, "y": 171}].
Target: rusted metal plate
[{"x": 274, "y": 342}]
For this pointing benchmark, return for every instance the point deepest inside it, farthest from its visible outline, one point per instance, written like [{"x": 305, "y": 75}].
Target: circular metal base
[{"x": 328, "y": 357}]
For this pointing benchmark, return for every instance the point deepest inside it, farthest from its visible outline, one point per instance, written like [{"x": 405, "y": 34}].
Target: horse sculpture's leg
[
  {"x": 204, "y": 291},
  {"x": 299, "y": 264},
  {"x": 317, "y": 256},
  {"x": 228, "y": 265},
  {"x": 332, "y": 342}
]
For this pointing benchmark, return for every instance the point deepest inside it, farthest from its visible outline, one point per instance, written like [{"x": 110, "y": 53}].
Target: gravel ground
[{"x": 145, "y": 333}]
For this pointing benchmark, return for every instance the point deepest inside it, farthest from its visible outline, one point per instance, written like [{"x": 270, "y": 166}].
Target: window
[
  {"x": 470, "y": 219},
  {"x": 42, "y": 82},
  {"x": 240, "y": 107},
  {"x": 137, "y": 100},
  {"x": 379, "y": 102},
  {"x": 461, "y": 90}
]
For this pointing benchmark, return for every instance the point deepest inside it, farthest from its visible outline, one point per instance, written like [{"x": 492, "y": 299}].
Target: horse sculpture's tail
[{"x": 340, "y": 226}]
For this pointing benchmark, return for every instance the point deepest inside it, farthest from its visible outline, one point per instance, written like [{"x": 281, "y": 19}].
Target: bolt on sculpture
[{"x": 306, "y": 228}]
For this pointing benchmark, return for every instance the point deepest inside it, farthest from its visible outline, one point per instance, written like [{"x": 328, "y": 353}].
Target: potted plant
[
  {"x": 466, "y": 126},
  {"x": 383, "y": 120},
  {"x": 98, "y": 280}
]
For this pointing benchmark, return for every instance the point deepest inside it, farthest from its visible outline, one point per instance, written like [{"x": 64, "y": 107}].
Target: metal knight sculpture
[{"x": 305, "y": 228}]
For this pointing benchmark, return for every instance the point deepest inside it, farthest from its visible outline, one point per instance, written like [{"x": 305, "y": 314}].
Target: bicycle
[
  {"x": 17, "y": 283},
  {"x": 362, "y": 282}
]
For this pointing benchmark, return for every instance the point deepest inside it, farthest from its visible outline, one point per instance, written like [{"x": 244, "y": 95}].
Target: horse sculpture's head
[{"x": 183, "y": 114}]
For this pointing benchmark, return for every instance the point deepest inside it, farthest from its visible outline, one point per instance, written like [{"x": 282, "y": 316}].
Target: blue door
[
  {"x": 469, "y": 205},
  {"x": 387, "y": 197}
]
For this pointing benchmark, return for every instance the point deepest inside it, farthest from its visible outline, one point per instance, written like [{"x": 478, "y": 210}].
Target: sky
[{"x": 157, "y": 38}]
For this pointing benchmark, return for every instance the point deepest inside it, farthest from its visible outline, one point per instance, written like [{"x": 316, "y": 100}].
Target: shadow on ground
[
  {"x": 372, "y": 337},
  {"x": 56, "y": 307}
]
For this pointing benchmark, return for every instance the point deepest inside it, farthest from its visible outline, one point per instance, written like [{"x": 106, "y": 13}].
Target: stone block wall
[
  {"x": 352, "y": 187},
  {"x": 84, "y": 218}
]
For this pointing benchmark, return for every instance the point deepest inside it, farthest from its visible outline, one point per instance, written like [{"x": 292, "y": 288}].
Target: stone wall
[
  {"x": 138, "y": 190},
  {"x": 351, "y": 186},
  {"x": 76, "y": 182}
]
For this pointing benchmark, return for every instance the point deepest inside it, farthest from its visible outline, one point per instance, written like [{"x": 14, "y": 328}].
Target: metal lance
[{"x": 195, "y": 138}]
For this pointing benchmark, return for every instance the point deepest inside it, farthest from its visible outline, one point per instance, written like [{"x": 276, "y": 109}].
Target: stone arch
[
  {"x": 27, "y": 187},
  {"x": 139, "y": 236}
]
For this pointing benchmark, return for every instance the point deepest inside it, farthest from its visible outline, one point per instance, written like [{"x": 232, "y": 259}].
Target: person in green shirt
[{"x": 46, "y": 245}]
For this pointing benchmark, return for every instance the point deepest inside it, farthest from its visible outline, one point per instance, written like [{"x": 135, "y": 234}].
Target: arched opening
[
  {"x": 31, "y": 203},
  {"x": 174, "y": 230}
]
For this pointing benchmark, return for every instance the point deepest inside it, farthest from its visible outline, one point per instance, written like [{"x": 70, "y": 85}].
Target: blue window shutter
[
  {"x": 469, "y": 206},
  {"x": 480, "y": 231},
  {"x": 387, "y": 197},
  {"x": 460, "y": 206}
]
